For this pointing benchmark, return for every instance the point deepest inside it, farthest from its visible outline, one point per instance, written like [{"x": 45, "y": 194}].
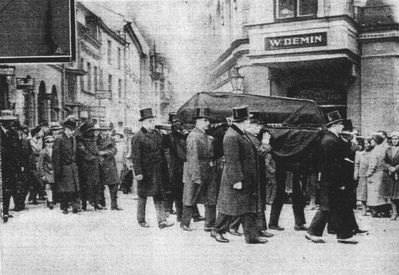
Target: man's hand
[
  {"x": 266, "y": 138},
  {"x": 342, "y": 188},
  {"x": 237, "y": 185},
  {"x": 139, "y": 177}
]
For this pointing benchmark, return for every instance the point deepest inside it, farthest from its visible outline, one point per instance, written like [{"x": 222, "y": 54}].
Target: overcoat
[
  {"x": 45, "y": 166},
  {"x": 64, "y": 162},
  {"x": 240, "y": 165},
  {"x": 333, "y": 151},
  {"x": 148, "y": 158},
  {"x": 176, "y": 142},
  {"x": 199, "y": 167},
  {"x": 10, "y": 162},
  {"x": 360, "y": 174},
  {"x": 108, "y": 171},
  {"x": 376, "y": 177},
  {"x": 392, "y": 160},
  {"x": 88, "y": 162}
]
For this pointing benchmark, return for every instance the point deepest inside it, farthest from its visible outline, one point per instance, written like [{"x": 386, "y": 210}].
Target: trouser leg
[
  {"x": 64, "y": 200},
  {"x": 222, "y": 223},
  {"x": 49, "y": 192},
  {"x": 249, "y": 226},
  {"x": 196, "y": 212},
  {"x": 6, "y": 202},
  {"x": 179, "y": 209},
  {"x": 261, "y": 221},
  {"x": 160, "y": 209},
  {"x": 113, "y": 191},
  {"x": 298, "y": 201},
  {"x": 235, "y": 223},
  {"x": 74, "y": 199},
  {"x": 141, "y": 203},
  {"x": 210, "y": 215},
  {"x": 318, "y": 223},
  {"x": 278, "y": 201},
  {"x": 187, "y": 214}
]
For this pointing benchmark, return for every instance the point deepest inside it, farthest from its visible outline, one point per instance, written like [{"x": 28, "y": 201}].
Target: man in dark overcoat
[
  {"x": 108, "y": 173},
  {"x": 238, "y": 194},
  {"x": 10, "y": 167},
  {"x": 150, "y": 168},
  {"x": 334, "y": 200},
  {"x": 176, "y": 142},
  {"x": 65, "y": 168},
  {"x": 89, "y": 167},
  {"x": 199, "y": 175}
]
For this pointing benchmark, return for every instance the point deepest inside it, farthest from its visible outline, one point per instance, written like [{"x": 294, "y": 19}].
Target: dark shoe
[
  {"x": 75, "y": 211},
  {"x": 350, "y": 240},
  {"x": 165, "y": 224},
  {"x": 50, "y": 205},
  {"x": 265, "y": 234},
  {"x": 234, "y": 232},
  {"x": 98, "y": 207},
  {"x": 300, "y": 228},
  {"x": 208, "y": 228},
  {"x": 34, "y": 202},
  {"x": 258, "y": 240},
  {"x": 116, "y": 208},
  {"x": 314, "y": 239},
  {"x": 144, "y": 224},
  {"x": 219, "y": 237},
  {"x": 198, "y": 219},
  {"x": 65, "y": 211},
  {"x": 276, "y": 227},
  {"x": 5, "y": 218},
  {"x": 186, "y": 228},
  {"x": 16, "y": 209},
  {"x": 360, "y": 232}
]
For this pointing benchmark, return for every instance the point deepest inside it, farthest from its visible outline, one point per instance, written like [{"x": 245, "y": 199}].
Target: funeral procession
[{"x": 199, "y": 137}]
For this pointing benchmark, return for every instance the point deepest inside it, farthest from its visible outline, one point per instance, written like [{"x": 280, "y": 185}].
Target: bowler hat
[
  {"x": 333, "y": 117},
  {"x": 87, "y": 126},
  {"x": 201, "y": 112},
  {"x": 55, "y": 126},
  {"x": 70, "y": 123},
  {"x": 240, "y": 113},
  {"x": 35, "y": 130},
  {"x": 146, "y": 113},
  {"x": 7, "y": 115}
]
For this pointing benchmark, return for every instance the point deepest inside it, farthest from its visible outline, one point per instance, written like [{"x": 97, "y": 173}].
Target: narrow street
[{"x": 40, "y": 241}]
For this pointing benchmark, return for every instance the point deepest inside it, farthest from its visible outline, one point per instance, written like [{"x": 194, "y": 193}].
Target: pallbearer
[
  {"x": 150, "y": 167},
  {"x": 238, "y": 194},
  {"x": 199, "y": 174}
]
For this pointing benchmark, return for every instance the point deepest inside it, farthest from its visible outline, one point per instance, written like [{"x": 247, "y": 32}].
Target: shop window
[{"x": 291, "y": 9}]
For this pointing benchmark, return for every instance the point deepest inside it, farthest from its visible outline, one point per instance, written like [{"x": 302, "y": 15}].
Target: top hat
[
  {"x": 7, "y": 115},
  {"x": 201, "y": 112},
  {"x": 240, "y": 113},
  {"x": 146, "y": 113},
  {"x": 173, "y": 118},
  {"x": 348, "y": 126},
  {"x": 54, "y": 126},
  {"x": 333, "y": 117},
  {"x": 70, "y": 123},
  {"x": 87, "y": 126}
]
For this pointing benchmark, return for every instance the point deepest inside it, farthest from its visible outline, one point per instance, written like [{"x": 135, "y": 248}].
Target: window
[
  {"x": 119, "y": 58},
  {"x": 295, "y": 8},
  {"x": 95, "y": 79},
  {"x": 109, "y": 52},
  {"x": 88, "y": 77},
  {"x": 110, "y": 82},
  {"x": 120, "y": 88}
]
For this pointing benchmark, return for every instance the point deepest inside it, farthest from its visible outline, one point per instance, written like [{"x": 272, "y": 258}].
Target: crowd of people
[
  {"x": 228, "y": 168},
  {"x": 69, "y": 164}
]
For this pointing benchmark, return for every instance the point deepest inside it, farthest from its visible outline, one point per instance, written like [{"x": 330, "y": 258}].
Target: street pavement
[{"x": 43, "y": 241}]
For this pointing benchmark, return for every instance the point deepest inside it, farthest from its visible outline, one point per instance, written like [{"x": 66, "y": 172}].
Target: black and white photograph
[{"x": 199, "y": 137}]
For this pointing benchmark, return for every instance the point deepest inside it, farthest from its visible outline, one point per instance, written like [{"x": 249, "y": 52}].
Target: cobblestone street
[{"x": 40, "y": 241}]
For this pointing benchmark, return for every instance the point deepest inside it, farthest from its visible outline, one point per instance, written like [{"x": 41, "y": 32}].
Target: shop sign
[
  {"x": 296, "y": 41},
  {"x": 97, "y": 111},
  {"x": 7, "y": 71},
  {"x": 103, "y": 94}
]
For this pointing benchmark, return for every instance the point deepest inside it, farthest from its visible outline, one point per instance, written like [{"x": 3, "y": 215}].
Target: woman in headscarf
[
  {"x": 375, "y": 176},
  {"x": 392, "y": 165}
]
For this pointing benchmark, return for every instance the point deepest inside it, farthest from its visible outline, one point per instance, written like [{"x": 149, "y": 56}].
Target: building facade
[{"x": 339, "y": 53}]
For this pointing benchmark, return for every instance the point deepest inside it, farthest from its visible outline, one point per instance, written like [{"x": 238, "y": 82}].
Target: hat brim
[
  {"x": 207, "y": 117},
  {"x": 8, "y": 118},
  {"x": 335, "y": 121},
  {"x": 144, "y": 118},
  {"x": 243, "y": 118}
]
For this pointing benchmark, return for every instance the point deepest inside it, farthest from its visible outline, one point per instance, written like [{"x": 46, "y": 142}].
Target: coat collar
[{"x": 235, "y": 128}]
